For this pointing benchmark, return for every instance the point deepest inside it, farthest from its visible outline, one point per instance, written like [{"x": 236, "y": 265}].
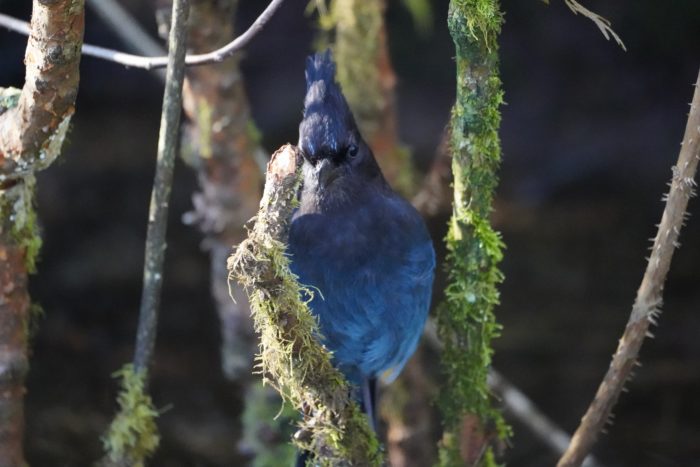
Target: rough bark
[
  {"x": 33, "y": 123},
  {"x": 647, "y": 305},
  {"x": 51, "y": 86}
]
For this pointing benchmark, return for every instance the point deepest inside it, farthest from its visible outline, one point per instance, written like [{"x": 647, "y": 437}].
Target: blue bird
[{"x": 360, "y": 245}]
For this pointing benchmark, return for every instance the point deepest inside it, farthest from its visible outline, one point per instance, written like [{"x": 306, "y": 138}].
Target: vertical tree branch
[
  {"x": 162, "y": 184},
  {"x": 131, "y": 437},
  {"x": 466, "y": 322},
  {"x": 33, "y": 123},
  {"x": 647, "y": 305}
]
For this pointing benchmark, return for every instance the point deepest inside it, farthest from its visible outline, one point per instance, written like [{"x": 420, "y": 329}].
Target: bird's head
[{"x": 336, "y": 156}]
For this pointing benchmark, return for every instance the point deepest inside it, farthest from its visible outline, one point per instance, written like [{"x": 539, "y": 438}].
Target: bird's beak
[{"x": 326, "y": 172}]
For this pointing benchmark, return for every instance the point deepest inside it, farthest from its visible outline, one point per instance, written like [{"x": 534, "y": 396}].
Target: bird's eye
[{"x": 352, "y": 151}]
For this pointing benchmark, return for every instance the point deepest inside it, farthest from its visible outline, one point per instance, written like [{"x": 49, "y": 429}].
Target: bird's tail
[
  {"x": 367, "y": 398},
  {"x": 368, "y": 401}
]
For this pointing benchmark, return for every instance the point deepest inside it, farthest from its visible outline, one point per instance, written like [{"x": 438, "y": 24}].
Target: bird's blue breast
[{"x": 372, "y": 264}]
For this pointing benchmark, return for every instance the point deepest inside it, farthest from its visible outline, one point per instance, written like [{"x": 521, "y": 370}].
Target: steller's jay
[{"x": 353, "y": 239}]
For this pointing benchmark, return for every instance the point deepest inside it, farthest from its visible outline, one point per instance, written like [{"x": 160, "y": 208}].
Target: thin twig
[
  {"x": 158, "y": 213},
  {"x": 647, "y": 304},
  {"x": 149, "y": 63},
  {"x": 603, "y": 24}
]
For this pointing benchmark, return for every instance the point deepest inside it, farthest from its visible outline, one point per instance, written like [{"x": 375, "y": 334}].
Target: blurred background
[{"x": 589, "y": 135}]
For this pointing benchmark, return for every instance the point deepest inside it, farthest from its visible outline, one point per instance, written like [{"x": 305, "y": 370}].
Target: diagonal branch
[
  {"x": 649, "y": 296},
  {"x": 149, "y": 63}
]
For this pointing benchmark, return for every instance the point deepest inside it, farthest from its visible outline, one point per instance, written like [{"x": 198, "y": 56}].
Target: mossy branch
[
  {"x": 466, "y": 321},
  {"x": 291, "y": 358}
]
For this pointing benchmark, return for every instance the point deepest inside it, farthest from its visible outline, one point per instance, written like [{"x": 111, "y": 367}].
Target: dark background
[{"x": 589, "y": 135}]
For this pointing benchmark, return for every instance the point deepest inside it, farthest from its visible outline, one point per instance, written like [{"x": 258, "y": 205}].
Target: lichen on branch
[
  {"x": 466, "y": 321},
  {"x": 291, "y": 357}
]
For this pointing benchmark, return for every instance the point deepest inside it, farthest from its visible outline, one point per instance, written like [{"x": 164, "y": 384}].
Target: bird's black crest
[
  {"x": 328, "y": 125},
  {"x": 320, "y": 67}
]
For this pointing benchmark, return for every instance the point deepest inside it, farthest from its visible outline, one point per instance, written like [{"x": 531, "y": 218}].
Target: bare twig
[
  {"x": 602, "y": 23},
  {"x": 162, "y": 184},
  {"x": 647, "y": 304},
  {"x": 148, "y": 63},
  {"x": 291, "y": 358}
]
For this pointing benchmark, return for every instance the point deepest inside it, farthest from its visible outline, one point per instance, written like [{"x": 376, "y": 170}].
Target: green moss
[
  {"x": 466, "y": 321},
  {"x": 133, "y": 435}
]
